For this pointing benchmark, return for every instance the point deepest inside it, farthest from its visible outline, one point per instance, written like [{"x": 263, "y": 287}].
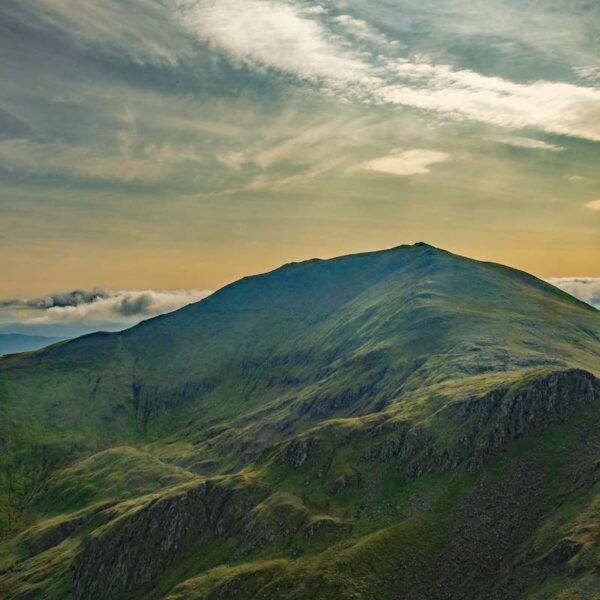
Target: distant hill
[
  {"x": 15, "y": 342},
  {"x": 398, "y": 424}
]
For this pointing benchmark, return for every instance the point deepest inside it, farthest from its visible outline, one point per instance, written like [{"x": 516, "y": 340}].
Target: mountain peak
[{"x": 297, "y": 407}]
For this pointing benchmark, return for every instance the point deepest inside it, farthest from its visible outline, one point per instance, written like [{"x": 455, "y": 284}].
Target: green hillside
[{"x": 398, "y": 424}]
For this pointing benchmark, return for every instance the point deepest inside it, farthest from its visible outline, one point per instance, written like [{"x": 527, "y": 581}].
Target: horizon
[{"x": 79, "y": 312}]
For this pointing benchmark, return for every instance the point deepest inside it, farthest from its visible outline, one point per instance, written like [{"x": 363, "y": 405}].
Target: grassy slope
[{"x": 345, "y": 352}]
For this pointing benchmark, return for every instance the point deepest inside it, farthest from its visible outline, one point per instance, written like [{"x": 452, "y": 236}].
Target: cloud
[
  {"x": 100, "y": 304},
  {"x": 153, "y": 162},
  {"x": 361, "y": 29},
  {"x": 138, "y": 30},
  {"x": 593, "y": 205},
  {"x": 584, "y": 288},
  {"x": 192, "y": 129},
  {"x": 590, "y": 75},
  {"x": 527, "y": 143},
  {"x": 267, "y": 34},
  {"x": 264, "y": 34},
  {"x": 555, "y": 107},
  {"x": 407, "y": 162}
]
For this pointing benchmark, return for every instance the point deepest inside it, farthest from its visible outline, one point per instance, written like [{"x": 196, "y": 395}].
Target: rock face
[
  {"x": 40, "y": 540},
  {"x": 502, "y": 416},
  {"x": 298, "y": 451},
  {"x": 132, "y": 552},
  {"x": 542, "y": 402},
  {"x": 483, "y": 426}
]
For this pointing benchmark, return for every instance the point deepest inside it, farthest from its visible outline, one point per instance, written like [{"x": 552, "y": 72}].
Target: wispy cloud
[
  {"x": 266, "y": 34},
  {"x": 360, "y": 29},
  {"x": 555, "y": 107},
  {"x": 263, "y": 34},
  {"x": 152, "y": 162},
  {"x": 406, "y": 162},
  {"x": 584, "y": 288},
  {"x": 590, "y": 75},
  {"x": 138, "y": 30},
  {"x": 527, "y": 143}
]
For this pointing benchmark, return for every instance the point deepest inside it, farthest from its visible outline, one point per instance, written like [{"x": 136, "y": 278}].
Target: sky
[{"x": 159, "y": 149}]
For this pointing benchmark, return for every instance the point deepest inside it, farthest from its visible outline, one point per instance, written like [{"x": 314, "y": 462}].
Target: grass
[{"x": 348, "y": 355}]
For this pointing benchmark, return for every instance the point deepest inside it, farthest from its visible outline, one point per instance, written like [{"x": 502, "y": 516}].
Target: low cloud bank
[
  {"x": 100, "y": 304},
  {"x": 584, "y": 288}
]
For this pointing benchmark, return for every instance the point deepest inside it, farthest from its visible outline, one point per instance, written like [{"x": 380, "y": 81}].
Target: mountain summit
[{"x": 405, "y": 423}]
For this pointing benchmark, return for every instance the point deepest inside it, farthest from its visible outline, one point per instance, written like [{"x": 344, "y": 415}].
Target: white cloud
[
  {"x": 267, "y": 34},
  {"x": 283, "y": 37},
  {"x": 100, "y": 305},
  {"x": 593, "y": 205},
  {"x": 589, "y": 74},
  {"x": 296, "y": 40},
  {"x": 361, "y": 29},
  {"x": 555, "y": 107},
  {"x": 407, "y": 162},
  {"x": 527, "y": 143},
  {"x": 584, "y": 288}
]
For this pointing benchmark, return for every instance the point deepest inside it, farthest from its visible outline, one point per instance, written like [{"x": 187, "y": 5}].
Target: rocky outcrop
[
  {"x": 39, "y": 539},
  {"x": 299, "y": 450},
  {"x": 503, "y": 415},
  {"x": 135, "y": 549},
  {"x": 485, "y": 425}
]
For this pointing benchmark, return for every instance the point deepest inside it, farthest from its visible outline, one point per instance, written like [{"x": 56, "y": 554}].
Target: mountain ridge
[
  {"x": 343, "y": 407},
  {"x": 12, "y": 343}
]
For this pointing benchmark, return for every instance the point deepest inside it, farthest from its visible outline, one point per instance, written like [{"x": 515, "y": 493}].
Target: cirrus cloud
[
  {"x": 527, "y": 143},
  {"x": 263, "y": 33},
  {"x": 284, "y": 37}
]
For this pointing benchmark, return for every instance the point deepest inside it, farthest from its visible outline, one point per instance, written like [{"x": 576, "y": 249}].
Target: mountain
[
  {"x": 398, "y": 424},
  {"x": 15, "y": 342},
  {"x": 63, "y": 330}
]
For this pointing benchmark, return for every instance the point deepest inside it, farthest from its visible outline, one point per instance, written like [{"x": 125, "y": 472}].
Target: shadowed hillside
[{"x": 398, "y": 424}]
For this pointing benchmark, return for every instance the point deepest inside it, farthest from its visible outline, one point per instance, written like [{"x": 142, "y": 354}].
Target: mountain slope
[{"x": 321, "y": 414}]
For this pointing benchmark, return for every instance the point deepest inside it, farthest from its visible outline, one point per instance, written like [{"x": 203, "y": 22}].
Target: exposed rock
[
  {"x": 505, "y": 415},
  {"x": 131, "y": 552},
  {"x": 299, "y": 450},
  {"x": 38, "y": 540},
  {"x": 485, "y": 425}
]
